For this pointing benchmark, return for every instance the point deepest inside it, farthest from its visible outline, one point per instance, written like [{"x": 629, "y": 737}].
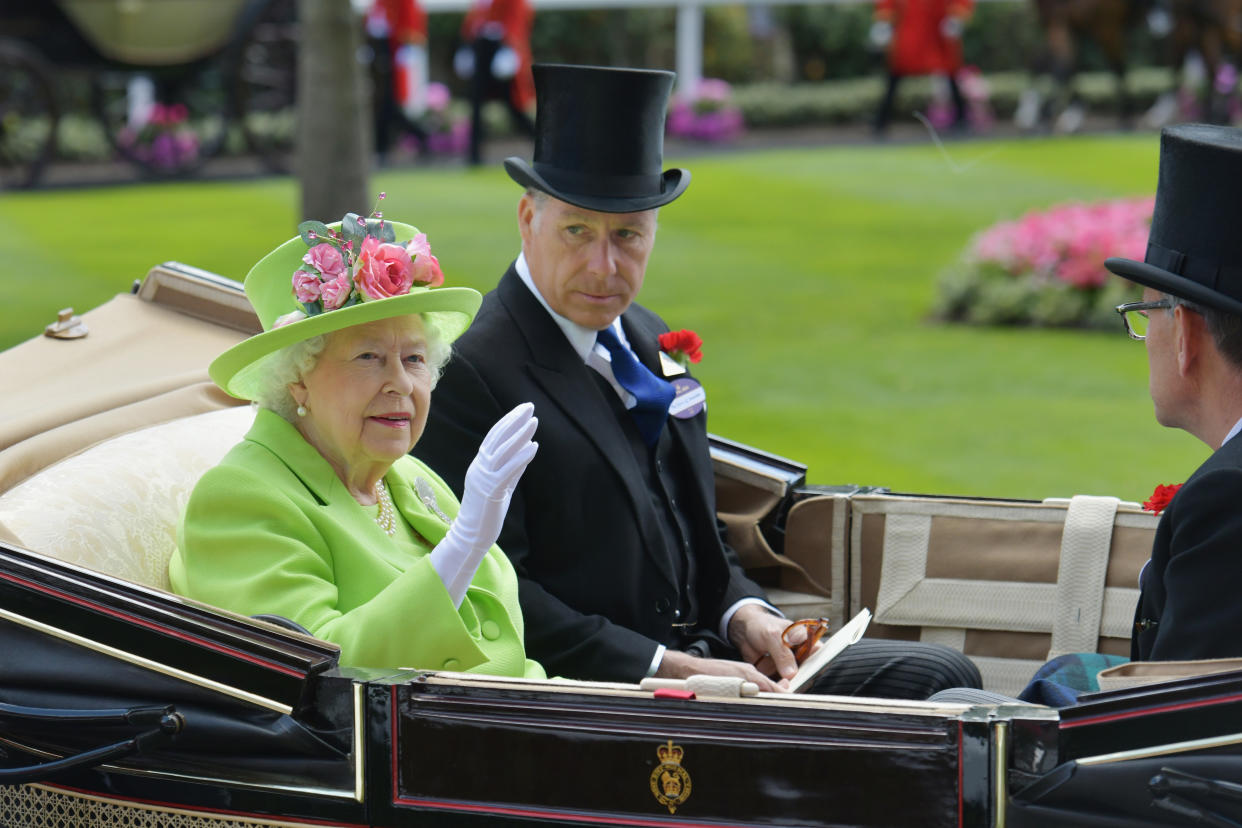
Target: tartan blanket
[{"x": 1062, "y": 680}]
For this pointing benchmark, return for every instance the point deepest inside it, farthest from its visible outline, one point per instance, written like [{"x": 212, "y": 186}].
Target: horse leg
[
  {"x": 1212, "y": 49},
  {"x": 879, "y": 125},
  {"x": 1061, "y": 60},
  {"x": 1030, "y": 111},
  {"x": 1111, "y": 37},
  {"x": 1230, "y": 21}
]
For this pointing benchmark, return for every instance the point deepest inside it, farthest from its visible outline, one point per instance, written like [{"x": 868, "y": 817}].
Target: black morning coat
[
  {"x": 1190, "y": 607},
  {"x": 582, "y": 530}
]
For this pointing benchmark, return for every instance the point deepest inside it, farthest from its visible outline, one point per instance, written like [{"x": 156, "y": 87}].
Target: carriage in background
[
  {"x": 168, "y": 79},
  {"x": 121, "y": 703}
]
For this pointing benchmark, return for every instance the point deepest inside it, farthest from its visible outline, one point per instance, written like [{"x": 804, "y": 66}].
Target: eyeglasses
[
  {"x": 816, "y": 628},
  {"x": 1134, "y": 314}
]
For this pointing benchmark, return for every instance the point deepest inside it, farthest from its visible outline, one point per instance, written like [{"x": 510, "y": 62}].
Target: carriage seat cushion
[{"x": 115, "y": 506}]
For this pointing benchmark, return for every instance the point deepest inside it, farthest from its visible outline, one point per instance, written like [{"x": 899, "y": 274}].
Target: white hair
[{"x": 269, "y": 378}]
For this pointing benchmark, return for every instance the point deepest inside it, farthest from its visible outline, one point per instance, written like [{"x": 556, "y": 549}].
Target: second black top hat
[
  {"x": 599, "y": 138},
  {"x": 1194, "y": 249}
]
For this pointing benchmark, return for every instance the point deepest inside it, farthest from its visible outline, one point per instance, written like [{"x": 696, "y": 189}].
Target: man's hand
[
  {"x": 757, "y": 635},
  {"x": 679, "y": 665}
]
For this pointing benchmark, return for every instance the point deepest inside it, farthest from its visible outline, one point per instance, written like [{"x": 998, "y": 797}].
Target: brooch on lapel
[{"x": 428, "y": 497}]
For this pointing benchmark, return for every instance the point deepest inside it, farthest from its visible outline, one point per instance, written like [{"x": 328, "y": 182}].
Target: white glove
[
  {"x": 951, "y": 27},
  {"x": 490, "y": 481},
  {"x": 505, "y": 63},
  {"x": 881, "y": 33}
]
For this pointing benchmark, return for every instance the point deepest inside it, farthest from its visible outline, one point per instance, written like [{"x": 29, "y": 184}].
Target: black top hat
[
  {"x": 1194, "y": 249},
  {"x": 599, "y": 138}
]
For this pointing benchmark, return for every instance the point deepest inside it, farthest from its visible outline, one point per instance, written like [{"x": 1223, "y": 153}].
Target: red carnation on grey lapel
[{"x": 682, "y": 345}]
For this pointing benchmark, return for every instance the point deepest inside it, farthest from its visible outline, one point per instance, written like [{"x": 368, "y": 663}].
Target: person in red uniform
[
  {"x": 496, "y": 58},
  {"x": 397, "y": 33},
  {"x": 922, "y": 37}
]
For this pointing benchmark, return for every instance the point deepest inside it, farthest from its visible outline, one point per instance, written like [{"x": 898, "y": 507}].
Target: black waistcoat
[{"x": 667, "y": 485}]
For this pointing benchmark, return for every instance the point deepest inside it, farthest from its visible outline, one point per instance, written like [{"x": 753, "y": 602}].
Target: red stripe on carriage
[
  {"x": 142, "y": 622},
  {"x": 1147, "y": 711}
]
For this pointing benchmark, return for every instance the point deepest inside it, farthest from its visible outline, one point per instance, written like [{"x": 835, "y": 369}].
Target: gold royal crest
[{"x": 670, "y": 783}]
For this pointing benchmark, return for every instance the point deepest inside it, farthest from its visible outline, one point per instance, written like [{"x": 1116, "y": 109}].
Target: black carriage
[
  {"x": 123, "y": 704},
  {"x": 168, "y": 79}
]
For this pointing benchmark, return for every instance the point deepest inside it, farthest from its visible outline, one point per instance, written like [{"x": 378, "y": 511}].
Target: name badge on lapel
[{"x": 690, "y": 399}]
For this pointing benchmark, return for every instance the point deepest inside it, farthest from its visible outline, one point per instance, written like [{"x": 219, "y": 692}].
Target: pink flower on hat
[
  {"x": 327, "y": 259},
  {"x": 383, "y": 270},
  {"x": 306, "y": 286},
  {"x": 336, "y": 291},
  {"x": 426, "y": 266}
]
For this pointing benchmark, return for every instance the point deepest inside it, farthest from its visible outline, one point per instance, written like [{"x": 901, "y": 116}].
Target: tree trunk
[{"x": 333, "y": 153}]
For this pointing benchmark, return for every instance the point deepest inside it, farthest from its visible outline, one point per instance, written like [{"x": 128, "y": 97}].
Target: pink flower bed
[
  {"x": 1068, "y": 243},
  {"x": 1047, "y": 267},
  {"x": 708, "y": 115}
]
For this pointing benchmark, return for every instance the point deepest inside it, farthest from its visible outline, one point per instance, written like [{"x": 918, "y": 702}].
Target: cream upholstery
[
  {"x": 115, "y": 506},
  {"x": 1008, "y": 583}
]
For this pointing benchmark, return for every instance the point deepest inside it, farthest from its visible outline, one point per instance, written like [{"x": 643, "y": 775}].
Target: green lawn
[{"x": 808, "y": 273}]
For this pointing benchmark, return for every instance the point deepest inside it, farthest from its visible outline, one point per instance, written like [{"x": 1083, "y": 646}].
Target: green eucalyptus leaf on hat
[
  {"x": 311, "y": 308},
  {"x": 318, "y": 228},
  {"x": 381, "y": 230},
  {"x": 352, "y": 230}
]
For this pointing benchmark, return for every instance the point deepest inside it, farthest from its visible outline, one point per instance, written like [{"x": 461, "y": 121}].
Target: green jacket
[{"x": 273, "y": 530}]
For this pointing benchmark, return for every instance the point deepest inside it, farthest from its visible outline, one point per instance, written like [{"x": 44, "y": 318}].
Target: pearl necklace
[{"x": 387, "y": 517}]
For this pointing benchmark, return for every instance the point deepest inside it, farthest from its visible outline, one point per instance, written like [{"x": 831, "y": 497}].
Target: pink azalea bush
[
  {"x": 707, "y": 115},
  {"x": 166, "y": 141},
  {"x": 448, "y": 128},
  {"x": 1047, "y": 267}
]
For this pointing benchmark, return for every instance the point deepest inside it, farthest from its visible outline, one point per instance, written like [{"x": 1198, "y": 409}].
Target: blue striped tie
[{"x": 653, "y": 394}]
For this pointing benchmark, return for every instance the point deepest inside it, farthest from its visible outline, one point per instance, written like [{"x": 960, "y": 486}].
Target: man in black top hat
[
  {"x": 621, "y": 567},
  {"x": 1191, "y": 322}
]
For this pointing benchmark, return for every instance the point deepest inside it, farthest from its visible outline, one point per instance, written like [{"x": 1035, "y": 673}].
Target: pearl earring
[{"x": 301, "y": 411}]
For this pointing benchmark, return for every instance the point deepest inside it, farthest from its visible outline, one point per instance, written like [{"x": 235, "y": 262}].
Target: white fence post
[{"x": 689, "y": 47}]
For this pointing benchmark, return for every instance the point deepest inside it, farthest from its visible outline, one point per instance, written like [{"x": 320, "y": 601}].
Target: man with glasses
[{"x": 1190, "y": 320}]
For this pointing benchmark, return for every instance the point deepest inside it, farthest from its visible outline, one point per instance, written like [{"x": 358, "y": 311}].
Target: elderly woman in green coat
[{"x": 319, "y": 514}]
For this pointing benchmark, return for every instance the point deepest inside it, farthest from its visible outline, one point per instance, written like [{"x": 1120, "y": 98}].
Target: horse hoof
[
  {"x": 1026, "y": 117},
  {"x": 1071, "y": 119},
  {"x": 1162, "y": 112}
]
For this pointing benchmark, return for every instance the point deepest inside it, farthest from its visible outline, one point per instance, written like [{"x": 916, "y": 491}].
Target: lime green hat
[{"x": 287, "y": 320}]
